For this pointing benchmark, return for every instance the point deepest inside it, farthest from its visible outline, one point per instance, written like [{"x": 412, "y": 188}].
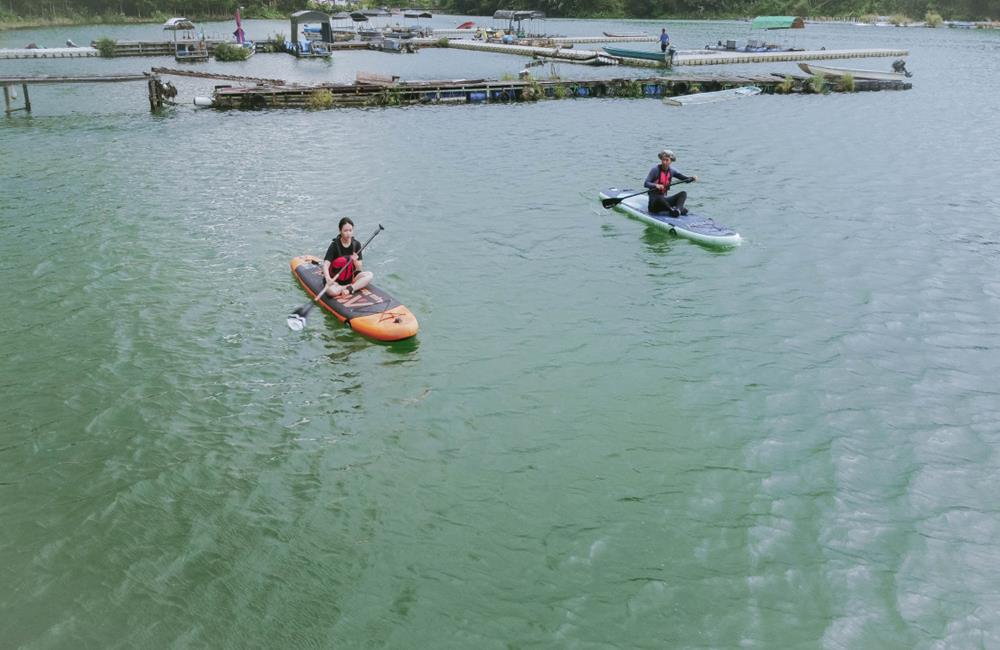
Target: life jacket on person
[
  {"x": 664, "y": 180},
  {"x": 345, "y": 274}
]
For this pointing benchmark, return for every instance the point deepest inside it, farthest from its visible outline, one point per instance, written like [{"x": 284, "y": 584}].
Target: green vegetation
[
  {"x": 442, "y": 42},
  {"x": 106, "y": 46},
  {"x": 230, "y": 52},
  {"x": 20, "y": 13},
  {"x": 560, "y": 92},
  {"x": 629, "y": 88},
  {"x": 390, "y": 97},
  {"x": 816, "y": 84},
  {"x": 954, "y": 9},
  {"x": 786, "y": 86},
  {"x": 532, "y": 92},
  {"x": 319, "y": 99},
  {"x": 846, "y": 83},
  {"x": 933, "y": 19}
]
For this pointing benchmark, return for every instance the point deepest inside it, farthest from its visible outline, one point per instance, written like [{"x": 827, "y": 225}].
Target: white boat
[
  {"x": 876, "y": 75},
  {"x": 715, "y": 96}
]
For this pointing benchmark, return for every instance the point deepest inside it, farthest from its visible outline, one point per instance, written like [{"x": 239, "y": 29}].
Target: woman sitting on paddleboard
[
  {"x": 658, "y": 181},
  {"x": 342, "y": 264}
]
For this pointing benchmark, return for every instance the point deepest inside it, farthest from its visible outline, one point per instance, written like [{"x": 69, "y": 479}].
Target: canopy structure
[
  {"x": 777, "y": 22},
  {"x": 309, "y": 16},
  {"x": 516, "y": 16},
  {"x": 507, "y": 14},
  {"x": 180, "y": 22}
]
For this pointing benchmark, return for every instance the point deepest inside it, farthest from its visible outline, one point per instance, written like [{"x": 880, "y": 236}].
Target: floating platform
[
  {"x": 681, "y": 58},
  {"x": 714, "y": 57},
  {"x": 371, "y": 92}
]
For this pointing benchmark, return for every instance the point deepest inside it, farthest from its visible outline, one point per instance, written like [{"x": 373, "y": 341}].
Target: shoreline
[{"x": 10, "y": 23}]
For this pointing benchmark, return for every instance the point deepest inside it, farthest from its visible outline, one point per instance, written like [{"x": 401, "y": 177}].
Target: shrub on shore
[{"x": 933, "y": 19}]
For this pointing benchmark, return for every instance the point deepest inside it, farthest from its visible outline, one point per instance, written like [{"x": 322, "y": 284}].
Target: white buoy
[{"x": 205, "y": 102}]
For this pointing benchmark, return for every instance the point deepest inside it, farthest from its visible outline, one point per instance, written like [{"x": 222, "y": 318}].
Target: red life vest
[
  {"x": 346, "y": 274},
  {"x": 665, "y": 179}
]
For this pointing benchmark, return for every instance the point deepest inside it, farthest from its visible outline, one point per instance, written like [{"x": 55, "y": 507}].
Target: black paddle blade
[
  {"x": 609, "y": 203},
  {"x": 297, "y": 319}
]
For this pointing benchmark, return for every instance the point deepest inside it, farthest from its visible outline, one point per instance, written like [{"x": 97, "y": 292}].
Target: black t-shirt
[{"x": 337, "y": 249}]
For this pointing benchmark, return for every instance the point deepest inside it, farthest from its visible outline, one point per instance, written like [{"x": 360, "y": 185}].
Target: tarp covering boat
[
  {"x": 777, "y": 22},
  {"x": 180, "y": 22}
]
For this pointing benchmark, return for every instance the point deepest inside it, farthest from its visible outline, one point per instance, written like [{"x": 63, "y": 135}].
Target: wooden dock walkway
[{"x": 158, "y": 93}]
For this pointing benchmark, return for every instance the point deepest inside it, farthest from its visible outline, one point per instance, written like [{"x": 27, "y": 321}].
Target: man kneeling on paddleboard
[
  {"x": 343, "y": 258},
  {"x": 658, "y": 182}
]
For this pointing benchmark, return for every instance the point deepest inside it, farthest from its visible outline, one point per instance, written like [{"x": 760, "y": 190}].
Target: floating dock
[
  {"x": 681, "y": 58},
  {"x": 392, "y": 92}
]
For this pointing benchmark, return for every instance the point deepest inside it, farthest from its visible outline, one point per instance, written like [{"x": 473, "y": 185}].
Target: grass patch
[
  {"x": 442, "y": 42},
  {"x": 560, "y": 92},
  {"x": 933, "y": 19},
  {"x": 846, "y": 83}
]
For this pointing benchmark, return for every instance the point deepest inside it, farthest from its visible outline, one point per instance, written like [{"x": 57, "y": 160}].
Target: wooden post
[
  {"x": 155, "y": 97},
  {"x": 27, "y": 100},
  {"x": 6, "y": 99}
]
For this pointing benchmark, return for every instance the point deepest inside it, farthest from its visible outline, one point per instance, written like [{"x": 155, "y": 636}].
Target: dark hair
[{"x": 340, "y": 226}]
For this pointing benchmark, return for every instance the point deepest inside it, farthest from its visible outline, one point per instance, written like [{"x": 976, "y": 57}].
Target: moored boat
[
  {"x": 827, "y": 71},
  {"x": 648, "y": 55}
]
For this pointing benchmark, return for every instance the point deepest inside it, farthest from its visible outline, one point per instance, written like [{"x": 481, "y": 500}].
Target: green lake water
[{"x": 602, "y": 437}]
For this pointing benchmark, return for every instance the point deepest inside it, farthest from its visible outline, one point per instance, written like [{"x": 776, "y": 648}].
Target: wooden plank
[{"x": 48, "y": 79}]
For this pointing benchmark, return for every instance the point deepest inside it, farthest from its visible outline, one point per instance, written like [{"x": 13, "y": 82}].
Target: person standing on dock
[
  {"x": 664, "y": 40},
  {"x": 342, "y": 263},
  {"x": 658, "y": 182}
]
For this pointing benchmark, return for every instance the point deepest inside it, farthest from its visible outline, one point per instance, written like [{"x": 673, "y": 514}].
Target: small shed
[{"x": 777, "y": 22}]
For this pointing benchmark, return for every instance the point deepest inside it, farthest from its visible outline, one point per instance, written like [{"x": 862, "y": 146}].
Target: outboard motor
[{"x": 899, "y": 65}]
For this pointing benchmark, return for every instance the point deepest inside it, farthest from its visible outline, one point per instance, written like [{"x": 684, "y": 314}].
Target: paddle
[
  {"x": 297, "y": 319},
  {"x": 612, "y": 202}
]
